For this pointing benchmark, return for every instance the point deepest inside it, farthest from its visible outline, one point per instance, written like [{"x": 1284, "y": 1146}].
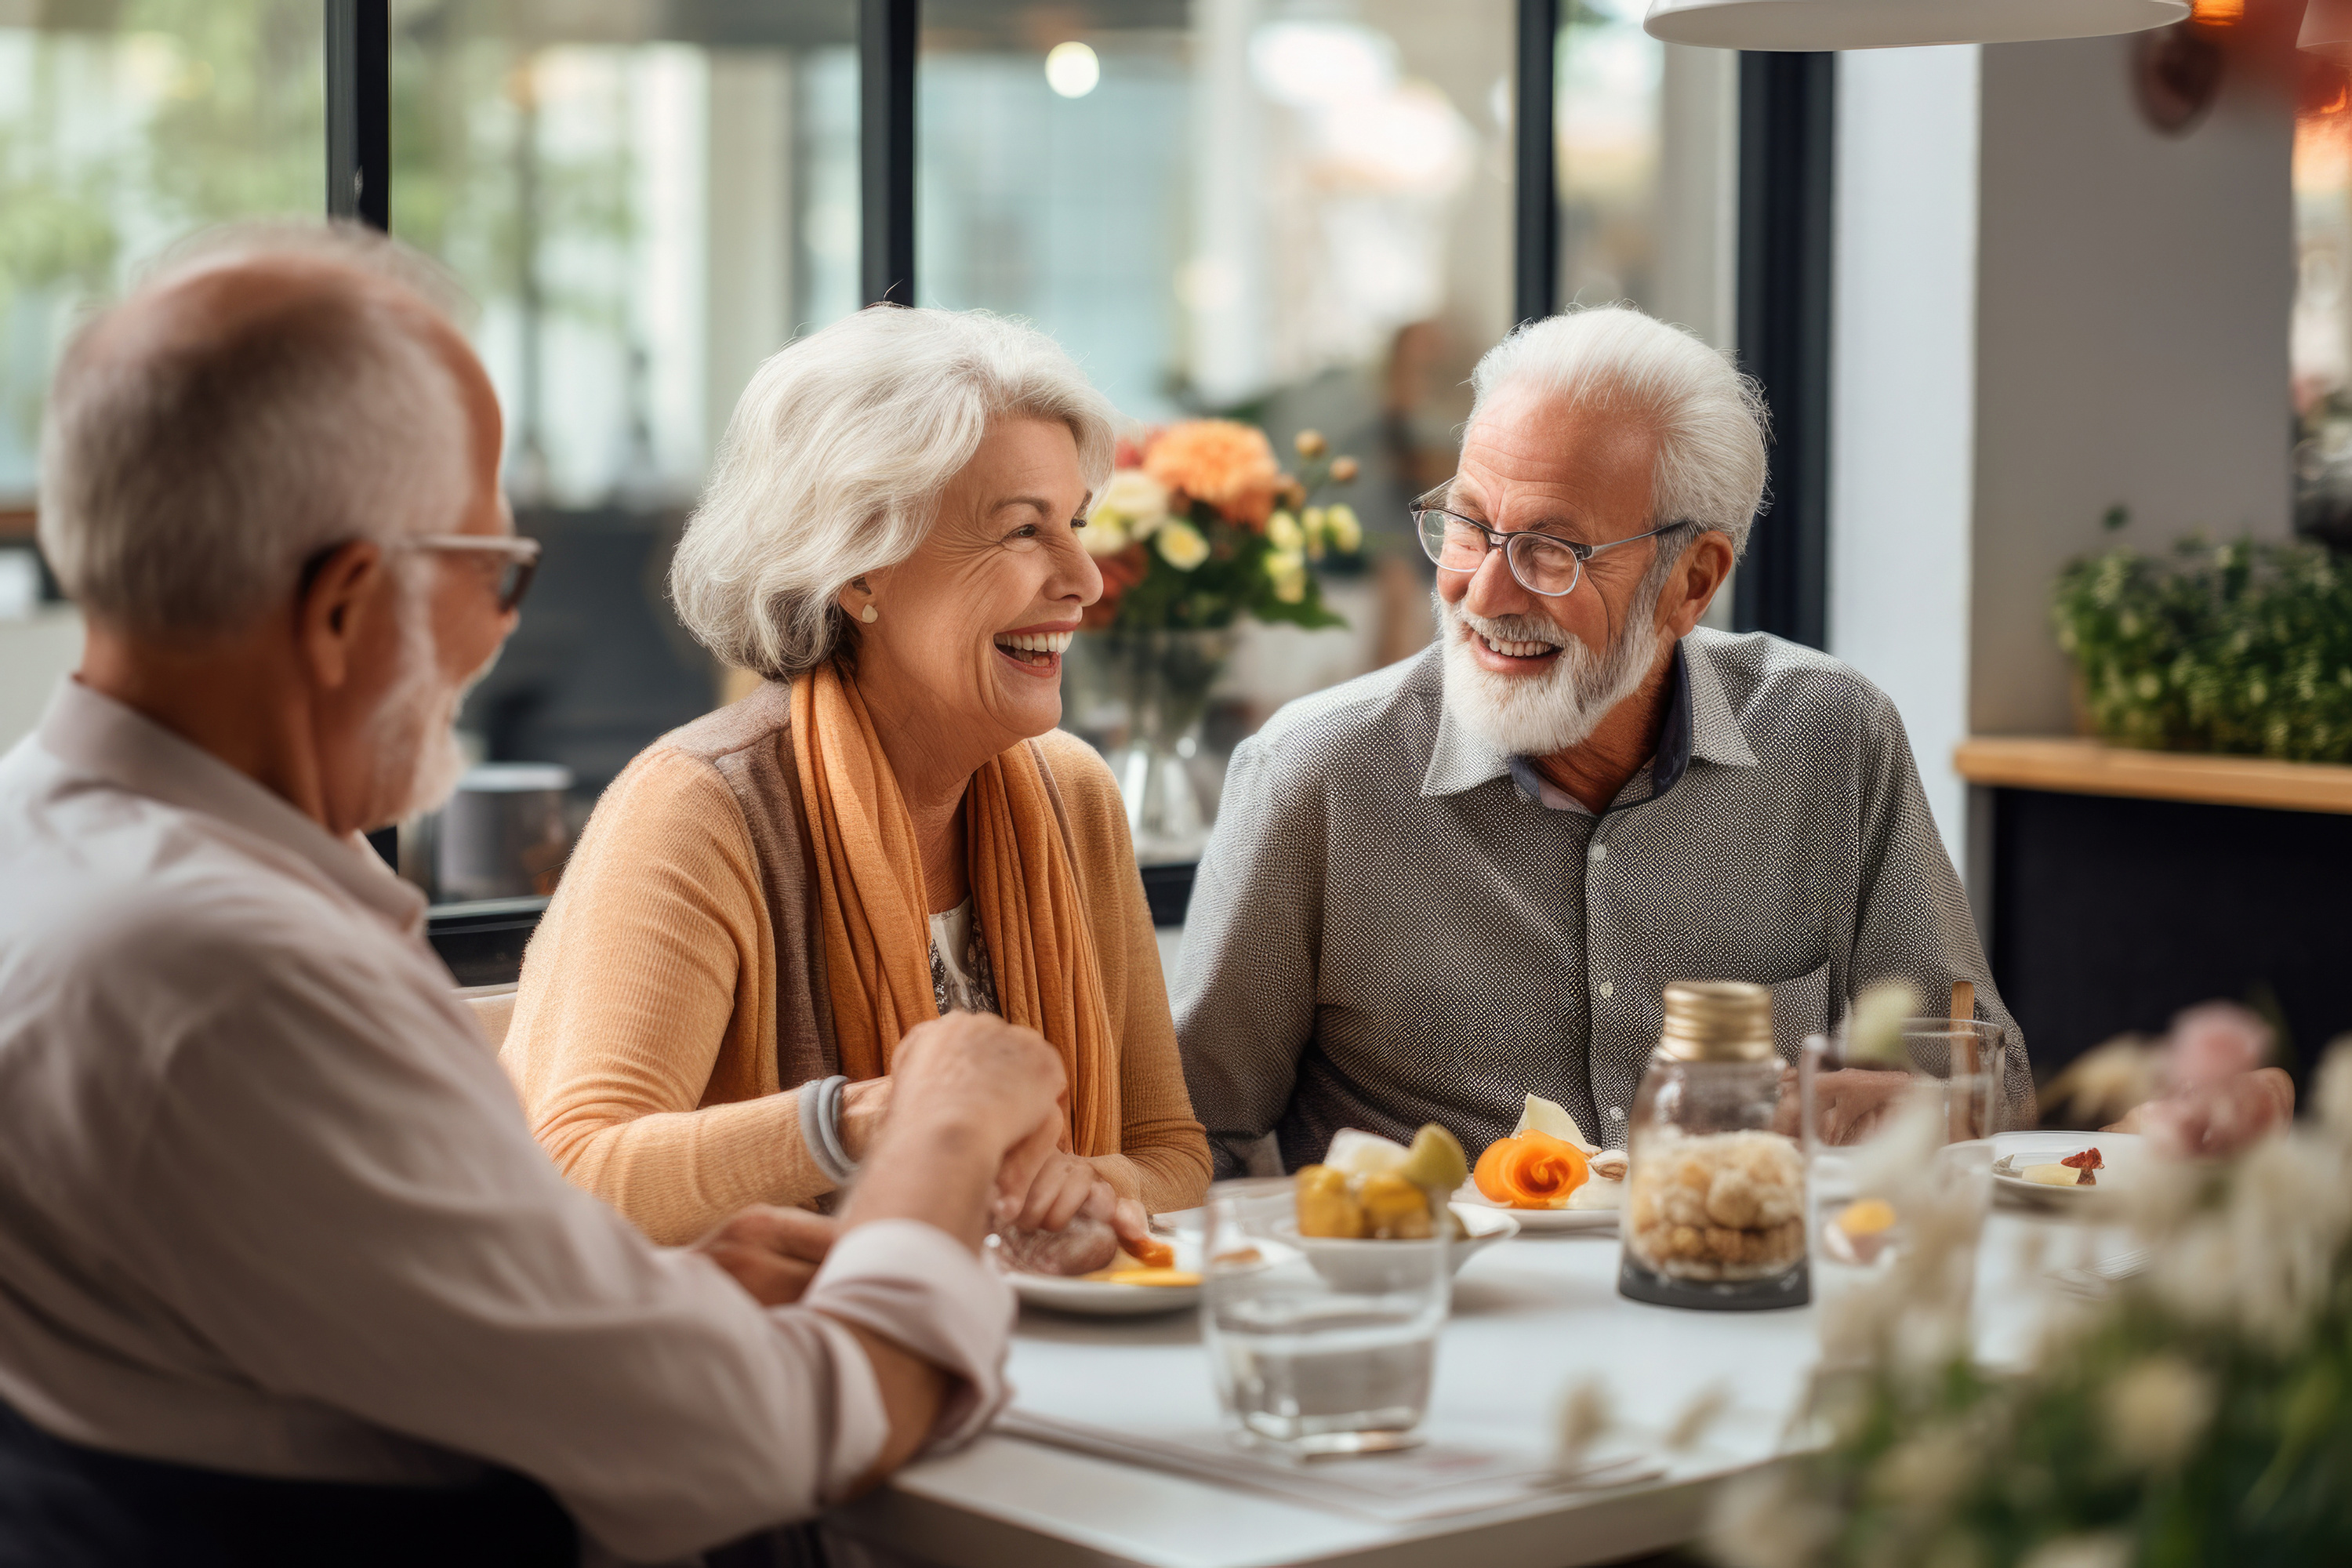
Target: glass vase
[{"x": 1167, "y": 784}]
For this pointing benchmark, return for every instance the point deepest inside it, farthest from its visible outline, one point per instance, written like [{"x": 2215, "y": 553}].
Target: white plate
[
  {"x": 1540, "y": 1222},
  {"x": 2121, "y": 1155},
  {"x": 1105, "y": 1298}
]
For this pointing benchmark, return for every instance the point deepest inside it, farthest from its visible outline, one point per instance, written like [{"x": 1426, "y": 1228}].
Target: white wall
[
  {"x": 2134, "y": 294},
  {"x": 1903, "y": 349}
]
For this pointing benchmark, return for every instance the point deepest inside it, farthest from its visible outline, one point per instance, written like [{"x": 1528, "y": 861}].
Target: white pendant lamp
[
  {"x": 1896, "y": 24},
  {"x": 2327, "y": 30}
]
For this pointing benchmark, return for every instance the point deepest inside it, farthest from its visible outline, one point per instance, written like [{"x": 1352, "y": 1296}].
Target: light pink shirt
[{"x": 268, "y": 1202}]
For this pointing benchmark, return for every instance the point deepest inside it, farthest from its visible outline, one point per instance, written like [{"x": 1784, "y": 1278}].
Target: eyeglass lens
[
  {"x": 512, "y": 583},
  {"x": 1541, "y": 564}
]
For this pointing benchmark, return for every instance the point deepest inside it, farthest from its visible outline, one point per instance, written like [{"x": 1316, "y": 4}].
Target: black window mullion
[
  {"x": 358, "y": 111},
  {"x": 1535, "y": 290},
  {"x": 887, "y": 37},
  {"x": 1787, "y": 126}
]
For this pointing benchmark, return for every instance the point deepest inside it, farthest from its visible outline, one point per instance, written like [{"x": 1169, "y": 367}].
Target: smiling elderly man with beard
[{"x": 1470, "y": 875}]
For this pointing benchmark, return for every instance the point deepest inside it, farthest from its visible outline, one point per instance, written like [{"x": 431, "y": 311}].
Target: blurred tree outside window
[
  {"x": 124, "y": 124},
  {"x": 646, "y": 199}
]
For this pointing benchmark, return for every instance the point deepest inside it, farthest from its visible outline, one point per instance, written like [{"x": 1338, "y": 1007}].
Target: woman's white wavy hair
[
  {"x": 833, "y": 461},
  {"x": 1709, "y": 420}
]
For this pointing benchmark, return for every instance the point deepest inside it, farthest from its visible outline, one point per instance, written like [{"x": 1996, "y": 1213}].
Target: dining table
[{"x": 1112, "y": 1452}]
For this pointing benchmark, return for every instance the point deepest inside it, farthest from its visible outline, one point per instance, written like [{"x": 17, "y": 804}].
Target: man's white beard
[
  {"x": 1536, "y": 714},
  {"x": 414, "y": 732}
]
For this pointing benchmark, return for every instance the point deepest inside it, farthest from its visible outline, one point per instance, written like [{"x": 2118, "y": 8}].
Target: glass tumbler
[
  {"x": 1310, "y": 1359},
  {"x": 1898, "y": 1159}
]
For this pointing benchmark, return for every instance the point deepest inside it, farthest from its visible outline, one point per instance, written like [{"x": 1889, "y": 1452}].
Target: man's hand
[
  {"x": 974, "y": 1112},
  {"x": 2217, "y": 1119},
  {"x": 772, "y": 1252}
]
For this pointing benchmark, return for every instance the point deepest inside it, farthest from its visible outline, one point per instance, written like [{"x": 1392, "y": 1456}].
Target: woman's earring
[{"x": 869, "y": 614}]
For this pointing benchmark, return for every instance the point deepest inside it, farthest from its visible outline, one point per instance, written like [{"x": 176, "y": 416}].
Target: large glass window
[
  {"x": 1646, "y": 169},
  {"x": 1296, "y": 213},
  {"x": 2320, "y": 341},
  {"x": 122, "y": 127},
  {"x": 645, "y": 201}
]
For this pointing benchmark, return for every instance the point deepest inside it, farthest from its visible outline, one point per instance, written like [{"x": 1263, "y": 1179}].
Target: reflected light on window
[
  {"x": 1071, "y": 69},
  {"x": 1318, "y": 64}
]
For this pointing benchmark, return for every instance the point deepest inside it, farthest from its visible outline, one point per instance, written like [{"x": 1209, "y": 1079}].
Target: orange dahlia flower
[{"x": 1227, "y": 464}]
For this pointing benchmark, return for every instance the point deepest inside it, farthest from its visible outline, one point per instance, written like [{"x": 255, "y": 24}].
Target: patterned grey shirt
[{"x": 1392, "y": 926}]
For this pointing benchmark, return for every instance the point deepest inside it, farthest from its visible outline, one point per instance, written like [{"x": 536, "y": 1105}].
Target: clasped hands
[{"x": 969, "y": 1093}]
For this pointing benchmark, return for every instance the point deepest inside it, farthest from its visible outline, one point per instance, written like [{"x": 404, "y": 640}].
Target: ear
[
  {"x": 1695, "y": 580},
  {"x": 332, "y": 614},
  {"x": 856, "y": 594}
]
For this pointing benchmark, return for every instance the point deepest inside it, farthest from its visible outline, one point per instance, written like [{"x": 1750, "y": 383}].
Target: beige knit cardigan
[{"x": 675, "y": 991}]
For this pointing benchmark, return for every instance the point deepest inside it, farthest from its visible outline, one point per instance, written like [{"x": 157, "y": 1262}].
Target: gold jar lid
[{"x": 1717, "y": 1021}]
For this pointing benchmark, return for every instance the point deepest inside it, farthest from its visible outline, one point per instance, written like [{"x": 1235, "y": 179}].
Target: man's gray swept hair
[
  {"x": 834, "y": 462},
  {"x": 195, "y": 459},
  {"x": 1708, "y": 419}
]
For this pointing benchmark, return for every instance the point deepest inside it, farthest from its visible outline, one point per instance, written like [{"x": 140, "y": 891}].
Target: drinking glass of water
[{"x": 1316, "y": 1356}]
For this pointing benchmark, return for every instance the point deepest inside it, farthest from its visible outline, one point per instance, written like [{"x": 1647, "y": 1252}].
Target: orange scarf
[{"x": 874, "y": 913}]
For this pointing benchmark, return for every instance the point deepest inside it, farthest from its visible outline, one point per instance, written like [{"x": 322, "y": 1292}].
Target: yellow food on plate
[
  {"x": 2052, "y": 1175},
  {"x": 1144, "y": 1276},
  {"x": 1868, "y": 1217},
  {"x": 1375, "y": 1189},
  {"x": 1328, "y": 1204}
]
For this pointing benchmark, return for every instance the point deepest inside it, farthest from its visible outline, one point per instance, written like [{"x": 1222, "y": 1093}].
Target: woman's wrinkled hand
[{"x": 771, "y": 1252}]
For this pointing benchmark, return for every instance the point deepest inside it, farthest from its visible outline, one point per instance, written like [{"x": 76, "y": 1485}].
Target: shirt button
[
  {"x": 1597, "y": 852},
  {"x": 1607, "y": 990},
  {"x": 1616, "y": 1113}
]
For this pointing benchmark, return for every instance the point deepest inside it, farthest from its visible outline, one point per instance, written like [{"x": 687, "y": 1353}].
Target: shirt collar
[
  {"x": 1699, "y": 723},
  {"x": 119, "y": 745}
]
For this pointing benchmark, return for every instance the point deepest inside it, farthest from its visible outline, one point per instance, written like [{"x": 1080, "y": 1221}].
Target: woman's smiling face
[{"x": 965, "y": 648}]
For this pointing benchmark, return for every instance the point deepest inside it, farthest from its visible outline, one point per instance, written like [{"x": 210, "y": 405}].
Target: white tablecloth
[{"x": 1531, "y": 1317}]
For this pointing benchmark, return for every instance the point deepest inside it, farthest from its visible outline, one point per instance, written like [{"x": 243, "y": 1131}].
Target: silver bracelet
[{"x": 821, "y": 1129}]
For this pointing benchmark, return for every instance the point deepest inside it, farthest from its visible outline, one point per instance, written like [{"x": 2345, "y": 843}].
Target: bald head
[{"x": 264, "y": 397}]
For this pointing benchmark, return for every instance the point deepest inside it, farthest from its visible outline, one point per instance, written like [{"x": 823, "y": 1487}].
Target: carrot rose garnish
[{"x": 1533, "y": 1171}]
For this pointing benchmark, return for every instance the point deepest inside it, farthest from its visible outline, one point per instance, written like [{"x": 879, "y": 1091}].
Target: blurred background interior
[{"x": 1994, "y": 294}]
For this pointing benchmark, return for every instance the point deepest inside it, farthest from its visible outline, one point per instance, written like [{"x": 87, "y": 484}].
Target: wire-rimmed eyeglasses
[{"x": 1543, "y": 563}]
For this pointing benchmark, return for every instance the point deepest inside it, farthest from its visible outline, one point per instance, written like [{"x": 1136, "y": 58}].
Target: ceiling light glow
[{"x": 1071, "y": 69}]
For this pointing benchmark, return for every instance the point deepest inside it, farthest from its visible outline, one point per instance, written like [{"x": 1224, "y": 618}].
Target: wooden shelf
[{"x": 2090, "y": 767}]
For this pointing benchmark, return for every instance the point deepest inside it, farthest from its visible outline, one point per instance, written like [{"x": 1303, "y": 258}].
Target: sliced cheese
[
  {"x": 1543, "y": 1116},
  {"x": 2052, "y": 1175}
]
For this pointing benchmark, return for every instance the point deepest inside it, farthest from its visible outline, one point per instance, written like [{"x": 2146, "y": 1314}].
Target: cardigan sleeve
[
  {"x": 646, "y": 973},
  {"x": 1164, "y": 1154}
]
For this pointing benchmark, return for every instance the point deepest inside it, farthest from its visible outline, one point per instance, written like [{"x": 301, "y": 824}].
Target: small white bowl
[{"x": 1366, "y": 1264}]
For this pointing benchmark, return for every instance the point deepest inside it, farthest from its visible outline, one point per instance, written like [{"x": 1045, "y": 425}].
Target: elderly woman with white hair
[{"x": 887, "y": 829}]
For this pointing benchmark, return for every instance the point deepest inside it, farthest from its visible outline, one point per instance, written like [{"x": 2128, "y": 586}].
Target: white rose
[
  {"x": 1180, "y": 544},
  {"x": 1287, "y": 568},
  {"x": 1347, "y": 532},
  {"x": 1135, "y": 496},
  {"x": 1102, "y": 535},
  {"x": 1282, "y": 531}
]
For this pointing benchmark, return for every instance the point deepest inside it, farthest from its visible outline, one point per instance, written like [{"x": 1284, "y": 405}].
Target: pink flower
[{"x": 2216, "y": 1041}]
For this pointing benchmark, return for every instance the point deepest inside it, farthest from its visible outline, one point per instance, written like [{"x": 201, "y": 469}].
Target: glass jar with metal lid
[{"x": 1715, "y": 1196}]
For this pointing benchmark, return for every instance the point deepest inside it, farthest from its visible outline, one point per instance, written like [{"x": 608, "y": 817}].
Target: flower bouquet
[
  {"x": 1197, "y": 528},
  {"x": 2201, "y": 1413}
]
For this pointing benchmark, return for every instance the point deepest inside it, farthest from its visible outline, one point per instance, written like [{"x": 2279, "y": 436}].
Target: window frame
[{"x": 1786, "y": 132}]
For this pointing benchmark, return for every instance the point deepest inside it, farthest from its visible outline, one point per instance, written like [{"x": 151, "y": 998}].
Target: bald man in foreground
[{"x": 283, "y": 1276}]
